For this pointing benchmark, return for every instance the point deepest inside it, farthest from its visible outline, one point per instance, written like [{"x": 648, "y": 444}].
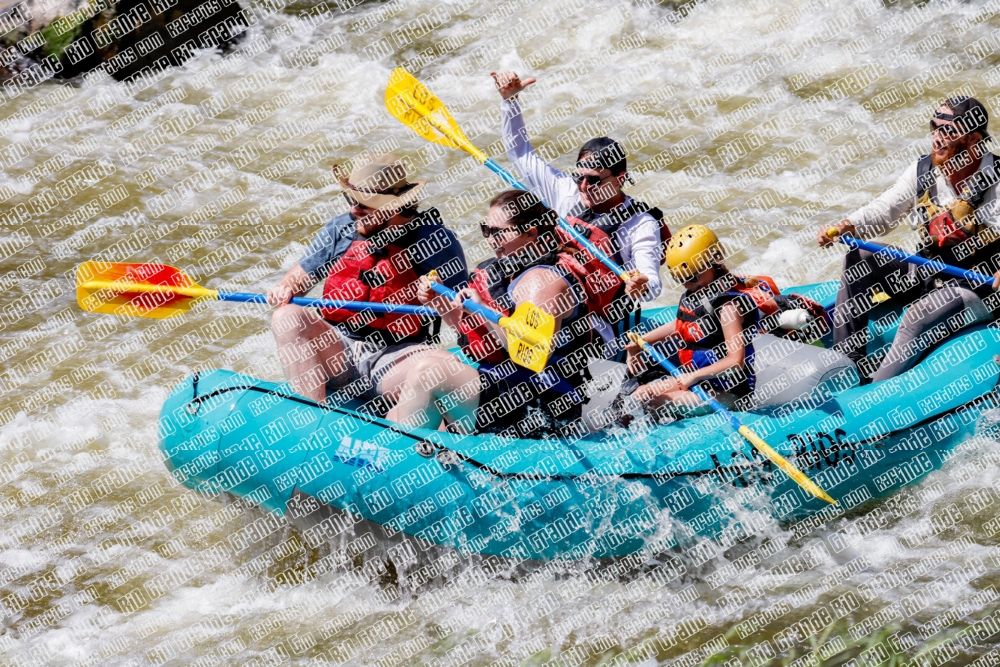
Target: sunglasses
[
  {"x": 590, "y": 179},
  {"x": 353, "y": 203},
  {"x": 949, "y": 131},
  {"x": 489, "y": 232}
]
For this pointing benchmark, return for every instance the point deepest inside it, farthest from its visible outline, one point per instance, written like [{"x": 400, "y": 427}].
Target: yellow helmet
[{"x": 691, "y": 251}]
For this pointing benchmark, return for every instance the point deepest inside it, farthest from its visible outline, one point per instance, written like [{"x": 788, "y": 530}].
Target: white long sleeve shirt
[
  {"x": 884, "y": 213},
  {"x": 638, "y": 237}
]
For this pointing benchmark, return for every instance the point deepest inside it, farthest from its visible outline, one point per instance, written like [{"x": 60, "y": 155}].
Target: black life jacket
[
  {"x": 492, "y": 280},
  {"x": 984, "y": 246},
  {"x": 700, "y": 327},
  {"x": 556, "y": 398}
]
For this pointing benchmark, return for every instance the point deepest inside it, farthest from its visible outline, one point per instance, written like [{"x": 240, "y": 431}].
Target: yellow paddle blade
[
  {"x": 420, "y": 110},
  {"x": 137, "y": 290},
  {"x": 786, "y": 467},
  {"x": 530, "y": 331}
]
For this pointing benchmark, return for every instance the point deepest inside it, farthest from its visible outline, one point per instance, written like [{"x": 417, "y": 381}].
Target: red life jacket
[
  {"x": 762, "y": 290},
  {"x": 475, "y": 337},
  {"x": 603, "y": 290},
  {"x": 599, "y": 229},
  {"x": 771, "y": 303},
  {"x": 381, "y": 275},
  {"x": 606, "y": 291}
]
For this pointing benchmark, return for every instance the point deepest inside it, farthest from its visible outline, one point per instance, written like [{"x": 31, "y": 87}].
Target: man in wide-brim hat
[
  {"x": 379, "y": 184},
  {"x": 374, "y": 253}
]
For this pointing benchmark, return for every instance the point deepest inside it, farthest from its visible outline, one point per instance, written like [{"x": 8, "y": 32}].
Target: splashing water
[{"x": 763, "y": 119}]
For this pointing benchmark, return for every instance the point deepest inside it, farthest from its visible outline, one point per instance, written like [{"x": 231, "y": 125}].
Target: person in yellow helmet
[{"x": 711, "y": 339}]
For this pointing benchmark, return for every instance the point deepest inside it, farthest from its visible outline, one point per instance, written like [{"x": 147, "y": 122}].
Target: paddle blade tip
[
  {"x": 532, "y": 357},
  {"x": 411, "y": 103},
  {"x": 530, "y": 332},
  {"x": 129, "y": 272}
]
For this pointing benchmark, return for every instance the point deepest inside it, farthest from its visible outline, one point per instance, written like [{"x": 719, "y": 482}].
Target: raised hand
[{"x": 509, "y": 83}]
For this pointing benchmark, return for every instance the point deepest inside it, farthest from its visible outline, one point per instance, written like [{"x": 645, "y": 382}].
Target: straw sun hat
[{"x": 379, "y": 183}]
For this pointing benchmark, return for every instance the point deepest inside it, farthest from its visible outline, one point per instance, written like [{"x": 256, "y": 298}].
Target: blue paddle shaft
[
  {"x": 395, "y": 308},
  {"x": 971, "y": 276},
  {"x": 696, "y": 390},
  {"x": 568, "y": 228},
  {"x": 478, "y": 309}
]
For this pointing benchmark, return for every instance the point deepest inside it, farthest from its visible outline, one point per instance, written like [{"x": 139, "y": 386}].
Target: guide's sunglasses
[
  {"x": 590, "y": 179},
  {"x": 949, "y": 131}
]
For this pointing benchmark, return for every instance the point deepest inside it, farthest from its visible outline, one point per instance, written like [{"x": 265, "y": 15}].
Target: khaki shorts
[{"x": 367, "y": 360}]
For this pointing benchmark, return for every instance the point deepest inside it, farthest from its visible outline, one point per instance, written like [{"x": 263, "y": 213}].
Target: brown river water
[{"x": 762, "y": 118}]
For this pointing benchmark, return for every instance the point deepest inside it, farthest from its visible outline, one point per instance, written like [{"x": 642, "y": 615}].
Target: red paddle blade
[{"x": 137, "y": 290}]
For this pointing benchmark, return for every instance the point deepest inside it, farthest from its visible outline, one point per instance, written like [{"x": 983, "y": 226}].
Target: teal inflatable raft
[{"x": 604, "y": 494}]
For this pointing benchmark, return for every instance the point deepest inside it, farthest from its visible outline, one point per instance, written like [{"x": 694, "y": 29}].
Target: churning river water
[{"x": 761, "y": 118}]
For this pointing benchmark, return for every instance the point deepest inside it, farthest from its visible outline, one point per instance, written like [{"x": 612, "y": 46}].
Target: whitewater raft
[{"x": 335, "y": 470}]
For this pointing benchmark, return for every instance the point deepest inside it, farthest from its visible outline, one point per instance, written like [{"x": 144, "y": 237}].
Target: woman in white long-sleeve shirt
[{"x": 593, "y": 193}]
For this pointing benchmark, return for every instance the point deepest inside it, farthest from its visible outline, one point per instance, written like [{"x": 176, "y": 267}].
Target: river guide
[{"x": 952, "y": 192}]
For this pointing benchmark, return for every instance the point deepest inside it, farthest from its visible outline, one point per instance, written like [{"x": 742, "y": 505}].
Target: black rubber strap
[
  {"x": 518, "y": 475},
  {"x": 926, "y": 180}
]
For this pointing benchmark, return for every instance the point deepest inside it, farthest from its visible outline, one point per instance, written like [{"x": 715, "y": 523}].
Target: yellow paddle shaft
[
  {"x": 119, "y": 286},
  {"x": 774, "y": 457},
  {"x": 777, "y": 459},
  {"x": 447, "y": 131}
]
